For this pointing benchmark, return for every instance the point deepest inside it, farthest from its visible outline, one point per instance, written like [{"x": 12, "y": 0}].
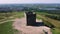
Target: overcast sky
[{"x": 27, "y": 1}]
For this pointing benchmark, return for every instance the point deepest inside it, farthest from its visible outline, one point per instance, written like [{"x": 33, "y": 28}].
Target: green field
[
  {"x": 52, "y": 23},
  {"x": 6, "y": 22}
]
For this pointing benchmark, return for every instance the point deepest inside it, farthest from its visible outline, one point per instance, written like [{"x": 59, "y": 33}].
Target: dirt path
[{"x": 20, "y": 25}]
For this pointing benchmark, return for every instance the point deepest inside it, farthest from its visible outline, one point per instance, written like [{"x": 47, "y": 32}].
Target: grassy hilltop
[{"x": 6, "y": 21}]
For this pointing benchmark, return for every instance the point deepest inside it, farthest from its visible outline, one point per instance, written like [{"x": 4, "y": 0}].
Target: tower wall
[{"x": 30, "y": 18}]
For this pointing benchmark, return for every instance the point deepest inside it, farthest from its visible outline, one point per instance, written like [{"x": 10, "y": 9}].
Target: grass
[
  {"x": 6, "y": 28},
  {"x": 38, "y": 17},
  {"x": 56, "y": 23},
  {"x": 49, "y": 22},
  {"x": 55, "y": 31},
  {"x": 5, "y": 15},
  {"x": 19, "y": 14},
  {"x": 11, "y": 16}
]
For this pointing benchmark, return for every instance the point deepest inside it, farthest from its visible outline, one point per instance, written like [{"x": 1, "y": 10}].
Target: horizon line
[{"x": 32, "y": 3}]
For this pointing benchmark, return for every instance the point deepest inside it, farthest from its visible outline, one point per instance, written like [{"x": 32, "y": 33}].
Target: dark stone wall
[{"x": 31, "y": 18}]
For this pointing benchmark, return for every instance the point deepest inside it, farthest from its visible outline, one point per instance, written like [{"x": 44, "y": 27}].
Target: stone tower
[{"x": 31, "y": 18}]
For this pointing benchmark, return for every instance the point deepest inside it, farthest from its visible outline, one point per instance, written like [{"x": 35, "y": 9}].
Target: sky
[{"x": 27, "y": 1}]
